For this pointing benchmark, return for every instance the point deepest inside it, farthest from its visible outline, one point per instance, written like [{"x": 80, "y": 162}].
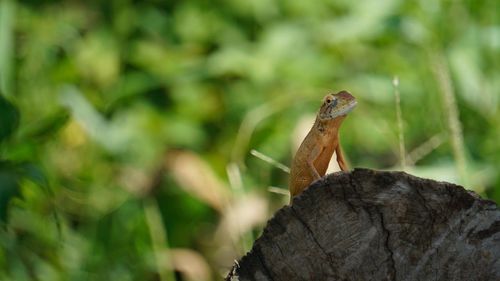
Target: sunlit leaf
[
  {"x": 191, "y": 264},
  {"x": 7, "y": 18},
  {"x": 195, "y": 176}
]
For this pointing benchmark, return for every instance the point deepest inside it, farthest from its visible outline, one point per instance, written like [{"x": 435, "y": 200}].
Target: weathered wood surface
[{"x": 370, "y": 225}]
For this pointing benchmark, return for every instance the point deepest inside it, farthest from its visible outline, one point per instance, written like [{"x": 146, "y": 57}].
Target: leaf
[
  {"x": 197, "y": 178},
  {"x": 9, "y": 118},
  {"x": 9, "y": 187},
  {"x": 7, "y": 22},
  {"x": 47, "y": 126}
]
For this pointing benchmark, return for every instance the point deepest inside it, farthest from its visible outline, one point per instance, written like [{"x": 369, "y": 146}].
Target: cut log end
[{"x": 371, "y": 225}]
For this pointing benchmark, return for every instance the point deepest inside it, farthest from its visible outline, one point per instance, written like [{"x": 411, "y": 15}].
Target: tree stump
[{"x": 372, "y": 225}]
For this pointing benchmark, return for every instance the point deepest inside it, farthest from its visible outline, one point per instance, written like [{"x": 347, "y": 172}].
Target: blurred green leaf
[
  {"x": 9, "y": 118},
  {"x": 9, "y": 187},
  {"x": 7, "y": 17},
  {"x": 47, "y": 126}
]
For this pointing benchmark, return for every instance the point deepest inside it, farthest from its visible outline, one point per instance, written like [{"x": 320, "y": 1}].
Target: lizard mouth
[
  {"x": 349, "y": 108},
  {"x": 336, "y": 112}
]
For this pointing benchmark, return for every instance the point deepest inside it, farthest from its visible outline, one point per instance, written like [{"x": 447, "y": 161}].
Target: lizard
[{"x": 313, "y": 156}]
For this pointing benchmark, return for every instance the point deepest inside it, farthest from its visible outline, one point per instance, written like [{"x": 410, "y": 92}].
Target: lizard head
[{"x": 335, "y": 105}]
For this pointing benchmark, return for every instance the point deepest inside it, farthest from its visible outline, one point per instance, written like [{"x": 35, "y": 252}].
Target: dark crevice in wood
[{"x": 392, "y": 262}]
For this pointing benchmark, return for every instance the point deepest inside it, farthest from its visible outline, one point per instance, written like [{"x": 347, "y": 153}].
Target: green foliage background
[{"x": 126, "y": 126}]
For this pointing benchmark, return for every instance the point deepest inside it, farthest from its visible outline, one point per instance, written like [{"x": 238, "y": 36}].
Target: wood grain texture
[{"x": 369, "y": 225}]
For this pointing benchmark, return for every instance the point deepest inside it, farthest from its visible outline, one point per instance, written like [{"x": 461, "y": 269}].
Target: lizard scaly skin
[{"x": 314, "y": 154}]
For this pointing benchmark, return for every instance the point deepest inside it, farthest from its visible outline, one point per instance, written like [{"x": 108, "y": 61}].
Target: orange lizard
[{"x": 314, "y": 154}]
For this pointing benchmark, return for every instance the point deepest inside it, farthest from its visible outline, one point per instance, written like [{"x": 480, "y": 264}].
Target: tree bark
[{"x": 372, "y": 225}]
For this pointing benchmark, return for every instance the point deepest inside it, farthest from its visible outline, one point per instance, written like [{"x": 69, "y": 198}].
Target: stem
[
  {"x": 159, "y": 239},
  {"x": 399, "y": 118},
  {"x": 270, "y": 160},
  {"x": 442, "y": 75}
]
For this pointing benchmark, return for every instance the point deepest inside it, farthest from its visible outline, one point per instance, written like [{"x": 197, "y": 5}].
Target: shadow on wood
[{"x": 370, "y": 225}]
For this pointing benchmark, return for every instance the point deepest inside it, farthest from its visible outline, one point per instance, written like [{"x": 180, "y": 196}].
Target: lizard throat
[{"x": 329, "y": 126}]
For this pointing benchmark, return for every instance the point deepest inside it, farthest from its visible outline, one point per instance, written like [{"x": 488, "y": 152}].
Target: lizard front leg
[
  {"x": 340, "y": 158},
  {"x": 310, "y": 162}
]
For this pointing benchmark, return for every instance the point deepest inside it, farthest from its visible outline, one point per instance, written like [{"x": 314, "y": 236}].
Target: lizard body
[{"x": 314, "y": 154}]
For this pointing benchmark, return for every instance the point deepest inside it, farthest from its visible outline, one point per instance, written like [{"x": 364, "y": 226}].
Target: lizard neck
[{"x": 328, "y": 127}]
